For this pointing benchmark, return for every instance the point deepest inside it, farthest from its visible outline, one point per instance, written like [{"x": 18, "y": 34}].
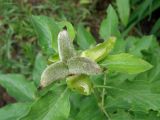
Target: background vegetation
[{"x": 18, "y": 41}]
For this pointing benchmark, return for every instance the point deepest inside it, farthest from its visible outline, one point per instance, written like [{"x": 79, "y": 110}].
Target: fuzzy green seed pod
[
  {"x": 65, "y": 46},
  {"x": 53, "y": 72},
  {"x": 82, "y": 65}
]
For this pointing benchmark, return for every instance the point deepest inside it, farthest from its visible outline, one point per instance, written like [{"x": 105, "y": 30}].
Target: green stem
[
  {"x": 103, "y": 98},
  {"x": 104, "y": 90}
]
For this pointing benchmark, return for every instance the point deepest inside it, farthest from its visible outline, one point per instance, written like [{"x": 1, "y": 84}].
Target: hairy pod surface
[
  {"x": 82, "y": 65},
  {"x": 55, "y": 71},
  {"x": 65, "y": 46}
]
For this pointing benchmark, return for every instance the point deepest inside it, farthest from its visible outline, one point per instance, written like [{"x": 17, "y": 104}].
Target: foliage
[
  {"x": 55, "y": 101},
  {"x": 109, "y": 26},
  {"x": 18, "y": 87},
  {"x": 119, "y": 76}
]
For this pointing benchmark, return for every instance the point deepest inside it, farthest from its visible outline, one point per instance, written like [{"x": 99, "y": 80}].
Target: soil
[{"x": 5, "y": 98}]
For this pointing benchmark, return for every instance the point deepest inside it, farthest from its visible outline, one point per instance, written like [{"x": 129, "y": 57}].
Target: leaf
[
  {"x": 80, "y": 84},
  {"x": 109, "y": 26},
  {"x": 126, "y": 63},
  {"x": 151, "y": 116},
  {"x": 18, "y": 87},
  {"x": 69, "y": 27},
  {"x": 54, "y": 105},
  {"x": 145, "y": 8},
  {"x": 65, "y": 46},
  {"x": 14, "y": 111},
  {"x": 155, "y": 72},
  {"x": 47, "y": 31},
  {"x": 81, "y": 65},
  {"x": 119, "y": 47},
  {"x": 128, "y": 115},
  {"x": 39, "y": 65},
  {"x": 100, "y": 51},
  {"x": 89, "y": 110},
  {"x": 121, "y": 115},
  {"x": 137, "y": 95},
  {"x": 53, "y": 72},
  {"x": 84, "y": 38},
  {"x": 85, "y": 1},
  {"x": 123, "y": 10},
  {"x": 137, "y": 45},
  {"x": 145, "y": 5}
]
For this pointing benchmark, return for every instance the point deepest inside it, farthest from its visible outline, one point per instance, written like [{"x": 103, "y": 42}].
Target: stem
[
  {"x": 103, "y": 97},
  {"x": 104, "y": 90},
  {"x": 106, "y": 114}
]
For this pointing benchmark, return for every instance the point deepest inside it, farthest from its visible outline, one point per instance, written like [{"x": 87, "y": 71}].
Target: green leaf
[
  {"x": 47, "y": 31},
  {"x": 14, "y": 111},
  {"x": 69, "y": 27},
  {"x": 89, "y": 110},
  {"x": 145, "y": 8},
  {"x": 128, "y": 115},
  {"x": 150, "y": 116},
  {"x": 84, "y": 37},
  {"x": 123, "y": 10},
  {"x": 137, "y": 95},
  {"x": 126, "y": 63},
  {"x": 81, "y": 65},
  {"x": 145, "y": 5},
  {"x": 121, "y": 115},
  {"x": 18, "y": 87},
  {"x": 109, "y": 26},
  {"x": 65, "y": 46},
  {"x": 53, "y": 72},
  {"x": 119, "y": 47},
  {"x": 155, "y": 72},
  {"x": 39, "y": 65},
  {"x": 85, "y": 1},
  {"x": 137, "y": 45},
  {"x": 100, "y": 51},
  {"x": 54, "y": 105},
  {"x": 80, "y": 84}
]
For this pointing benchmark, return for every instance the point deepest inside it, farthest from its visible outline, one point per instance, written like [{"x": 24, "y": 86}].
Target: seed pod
[
  {"x": 100, "y": 51},
  {"x": 55, "y": 71},
  {"x": 82, "y": 65},
  {"x": 65, "y": 46},
  {"x": 80, "y": 84}
]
